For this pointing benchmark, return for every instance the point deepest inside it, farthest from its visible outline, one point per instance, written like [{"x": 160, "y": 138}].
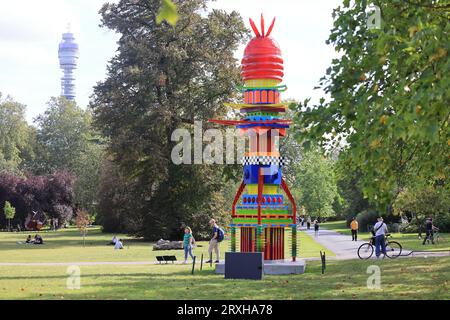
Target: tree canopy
[
  {"x": 14, "y": 134},
  {"x": 315, "y": 184},
  {"x": 161, "y": 79},
  {"x": 388, "y": 95}
]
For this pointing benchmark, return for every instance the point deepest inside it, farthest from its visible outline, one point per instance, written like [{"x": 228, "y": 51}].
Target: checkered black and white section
[{"x": 263, "y": 160}]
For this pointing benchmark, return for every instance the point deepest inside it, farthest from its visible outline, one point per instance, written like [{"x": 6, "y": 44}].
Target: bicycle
[
  {"x": 434, "y": 237},
  {"x": 393, "y": 248}
]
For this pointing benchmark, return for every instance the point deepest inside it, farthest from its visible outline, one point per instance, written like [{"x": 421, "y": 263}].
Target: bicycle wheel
[
  {"x": 365, "y": 251},
  {"x": 393, "y": 249}
]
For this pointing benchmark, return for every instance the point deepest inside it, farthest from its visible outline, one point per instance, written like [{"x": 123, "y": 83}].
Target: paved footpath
[{"x": 341, "y": 245}]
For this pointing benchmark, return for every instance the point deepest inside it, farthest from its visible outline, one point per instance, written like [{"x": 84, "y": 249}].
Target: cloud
[{"x": 30, "y": 31}]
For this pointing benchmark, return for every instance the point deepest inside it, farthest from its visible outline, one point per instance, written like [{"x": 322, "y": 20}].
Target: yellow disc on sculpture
[
  {"x": 267, "y": 189},
  {"x": 262, "y": 83},
  {"x": 246, "y": 105}
]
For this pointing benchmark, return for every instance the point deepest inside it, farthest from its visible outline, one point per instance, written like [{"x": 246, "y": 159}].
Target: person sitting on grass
[
  {"x": 119, "y": 244},
  {"x": 29, "y": 240},
  {"x": 113, "y": 241},
  {"x": 38, "y": 239}
]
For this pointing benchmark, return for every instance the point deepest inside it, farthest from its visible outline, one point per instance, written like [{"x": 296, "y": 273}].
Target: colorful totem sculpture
[{"x": 260, "y": 213}]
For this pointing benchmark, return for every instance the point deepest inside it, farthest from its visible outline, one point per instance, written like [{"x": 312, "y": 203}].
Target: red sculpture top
[{"x": 262, "y": 56}]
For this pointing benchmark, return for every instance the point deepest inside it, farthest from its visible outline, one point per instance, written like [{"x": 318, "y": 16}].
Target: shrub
[
  {"x": 408, "y": 228},
  {"x": 394, "y": 227},
  {"x": 442, "y": 221},
  {"x": 366, "y": 219}
]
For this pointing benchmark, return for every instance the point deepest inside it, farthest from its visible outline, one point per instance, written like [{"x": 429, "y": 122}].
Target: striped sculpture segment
[{"x": 260, "y": 213}]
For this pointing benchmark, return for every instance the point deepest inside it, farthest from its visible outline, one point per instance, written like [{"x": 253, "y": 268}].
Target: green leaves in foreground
[
  {"x": 389, "y": 96},
  {"x": 168, "y": 12}
]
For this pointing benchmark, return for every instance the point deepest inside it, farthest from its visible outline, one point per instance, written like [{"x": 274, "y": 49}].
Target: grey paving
[{"x": 341, "y": 245}]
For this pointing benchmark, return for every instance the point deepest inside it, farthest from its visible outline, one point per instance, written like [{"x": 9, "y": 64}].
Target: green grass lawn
[
  {"x": 408, "y": 241},
  {"x": 414, "y": 278},
  {"x": 67, "y": 246}
]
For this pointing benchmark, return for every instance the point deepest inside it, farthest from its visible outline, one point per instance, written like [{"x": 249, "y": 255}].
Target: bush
[
  {"x": 394, "y": 227},
  {"x": 442, "y": 221},
  {"x": 408, "y": 228},
  {"x": 367, "y": 219}
]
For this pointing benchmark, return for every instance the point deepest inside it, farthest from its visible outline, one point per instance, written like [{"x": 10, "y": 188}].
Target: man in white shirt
[{"x": 380, "y": 229}]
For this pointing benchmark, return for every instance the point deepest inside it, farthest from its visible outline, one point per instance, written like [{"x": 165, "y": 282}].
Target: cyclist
[{"x": 380, "y": 229}]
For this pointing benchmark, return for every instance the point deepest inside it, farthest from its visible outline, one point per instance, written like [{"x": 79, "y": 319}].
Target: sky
[{"x": 31, "y": 30}]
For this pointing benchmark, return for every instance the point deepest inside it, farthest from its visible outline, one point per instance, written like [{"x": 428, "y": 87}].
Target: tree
[
  {"x": 50, "y": 195},
  {"x": 63, "y": 131},
  {"x": 164, "y": 78},
  {"x": 315, "y": 184},
  {"x": 349, "y": 187},
  {"x": 10, "y": 212},
  {"x": 422, "y": 202},
  {"x": 83, "y": 221},
  {"x": 14, "y": 132},
  {"x": 66, "y": 141},
  {"x": 388, "y": 95}
]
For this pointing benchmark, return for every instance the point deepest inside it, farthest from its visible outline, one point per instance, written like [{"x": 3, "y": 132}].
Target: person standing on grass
[
  {"x": 308, "y": 223},
  {"x": 380, "y": 229},
  {"x": 215, "y": 241},
  {"x": 354, "y": 227},
  {"x": 188, "y": 243}
]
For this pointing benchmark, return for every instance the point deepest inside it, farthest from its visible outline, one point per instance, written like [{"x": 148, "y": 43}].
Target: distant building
[{"x": 68, "y": 57}]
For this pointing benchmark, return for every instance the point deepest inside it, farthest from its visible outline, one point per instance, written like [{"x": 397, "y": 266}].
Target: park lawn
[
  {"x": 66, "y": 245},
  {"x": 412, "y": 278},
  {"x": 409, "y": 241}
]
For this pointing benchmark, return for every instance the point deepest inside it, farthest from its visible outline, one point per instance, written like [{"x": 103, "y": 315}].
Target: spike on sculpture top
[{"x": 262, "y": 56}]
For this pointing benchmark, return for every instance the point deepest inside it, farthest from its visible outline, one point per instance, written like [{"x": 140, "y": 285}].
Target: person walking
[
  {"x": 188, "y": 243},
  {"x": 429, "y": 229},
  {"x": 215, "y": 241},
  {"x": 316, "y": 227},
  {"x": 308, "y": 223},
  {"x": 354, "y": 227},
  {"x": 380, "y": 229}
]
